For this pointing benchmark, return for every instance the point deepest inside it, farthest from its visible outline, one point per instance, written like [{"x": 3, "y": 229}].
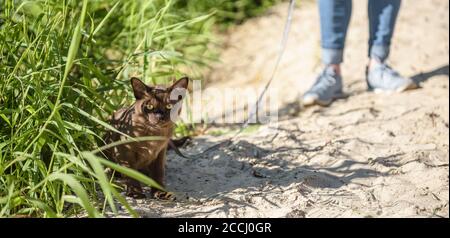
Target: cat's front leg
[
  {"x": 134, "y": 189},
  {"x": 156, "y": 171}
]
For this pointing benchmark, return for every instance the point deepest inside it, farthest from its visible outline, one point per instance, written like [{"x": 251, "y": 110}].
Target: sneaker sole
[
  {"x": 409, "y": 86},
  {"x": 311, "y": 101}
]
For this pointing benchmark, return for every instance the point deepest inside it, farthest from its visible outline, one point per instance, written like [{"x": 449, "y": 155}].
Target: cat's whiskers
[{"x": 159, "y": 126}]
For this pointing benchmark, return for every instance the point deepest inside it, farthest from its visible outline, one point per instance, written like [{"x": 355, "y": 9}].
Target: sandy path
[{"x": 366, "y": 156}]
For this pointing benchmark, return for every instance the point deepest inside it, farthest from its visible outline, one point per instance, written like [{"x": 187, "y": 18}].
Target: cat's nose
[{"x": 159, "y": 116}]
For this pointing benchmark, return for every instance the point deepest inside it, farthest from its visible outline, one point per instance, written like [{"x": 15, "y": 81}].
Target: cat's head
[{"x": 159, "y": 105}]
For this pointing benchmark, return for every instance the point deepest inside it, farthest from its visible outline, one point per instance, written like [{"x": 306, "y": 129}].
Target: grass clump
[{"x": 64, "y": 68}]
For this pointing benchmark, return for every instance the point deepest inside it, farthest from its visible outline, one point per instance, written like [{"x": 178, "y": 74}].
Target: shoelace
[
  {"x": 325, "y": 81},
  {"x": 385, "y": 69}
]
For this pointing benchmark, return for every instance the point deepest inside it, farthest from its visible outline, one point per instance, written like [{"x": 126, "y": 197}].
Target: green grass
[
  {"x": 64, "y": 68},
  {"x": 229, "y": 12}
]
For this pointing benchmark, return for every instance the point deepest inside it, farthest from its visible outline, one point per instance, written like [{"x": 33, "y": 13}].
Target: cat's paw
[
  {"x": 135, "y": 193},
  {"x": 161, "y": 195}
]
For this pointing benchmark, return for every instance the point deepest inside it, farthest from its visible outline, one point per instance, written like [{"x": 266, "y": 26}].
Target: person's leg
[
  {"x": 334, "y": 20},
  {"x": 382, "y": 17}
]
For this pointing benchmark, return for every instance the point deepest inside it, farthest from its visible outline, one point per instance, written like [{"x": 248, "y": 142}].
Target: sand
[{"x": 369, "y": 155}]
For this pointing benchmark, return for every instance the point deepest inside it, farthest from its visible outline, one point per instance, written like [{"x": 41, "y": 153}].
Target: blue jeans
[{"x": 335, "y": 17}]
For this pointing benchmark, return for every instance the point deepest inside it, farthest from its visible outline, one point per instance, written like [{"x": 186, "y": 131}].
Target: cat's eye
[
  {"x": 169, "y": 106},
  {"x": 149, "y": 107}
]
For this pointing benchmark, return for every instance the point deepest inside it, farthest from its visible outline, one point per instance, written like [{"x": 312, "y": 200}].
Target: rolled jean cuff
[
  {"x": 332, "y": 56},
  {"x": 380, "y": 52}
]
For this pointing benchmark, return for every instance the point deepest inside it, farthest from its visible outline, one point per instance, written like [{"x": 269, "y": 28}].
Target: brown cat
[{"x": 150, "y": 115}]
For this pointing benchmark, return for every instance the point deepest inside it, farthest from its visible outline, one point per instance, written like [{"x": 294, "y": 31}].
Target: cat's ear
[
  {"x": 139, "y": 88},
  {"x": 180, "y": 84},
  {"x": 179, "y": 89}
]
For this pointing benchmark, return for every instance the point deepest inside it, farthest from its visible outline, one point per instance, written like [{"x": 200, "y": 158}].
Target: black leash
[{"x": 282, "y": 49}]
